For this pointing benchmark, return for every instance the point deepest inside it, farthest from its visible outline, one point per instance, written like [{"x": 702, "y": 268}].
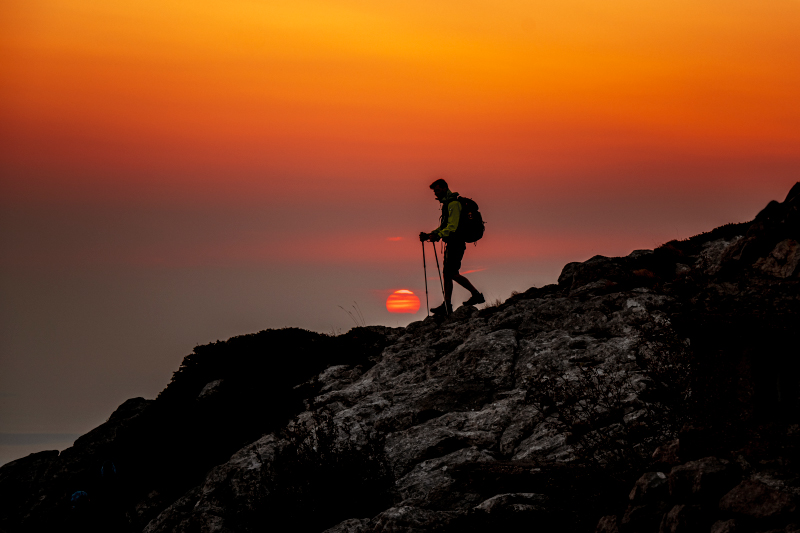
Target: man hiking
[{"x": 454, "y": 247}]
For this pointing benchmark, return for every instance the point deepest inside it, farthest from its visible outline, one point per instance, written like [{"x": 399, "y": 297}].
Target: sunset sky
[{"x": 177, "y": 172}]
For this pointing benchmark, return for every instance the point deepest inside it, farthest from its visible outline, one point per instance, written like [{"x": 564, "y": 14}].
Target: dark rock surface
[
  {"x": 653, "y": 392},
  {"x": 704, "y": 479},
  {"x": 753, "y": 499}
]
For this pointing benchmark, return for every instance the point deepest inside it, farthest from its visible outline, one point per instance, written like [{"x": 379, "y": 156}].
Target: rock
[
  {"x": 28, "y": 468},
  {"x": 406, "y": 519},
  {"x": 755, "y": 500},
  {"x": 520, "y": 502},
  {"x": 178, "y": 517},
  {"x": 420, "y": 443},
  {"x": 464, "y": 312},
  {"x": 20, "y": 480},
  {"x": 651, "y": 487},
  {"x": 608, "y": 524},
  {"x": 510, "y": 512},
  {"x": 715, "y": 254},
  {"x": 33, "y": 488},
  {"x": 643, "y": 517},
  {"x": 607, "y": 274},
  {"x": 231, "y": 490},
  {"x": 430, "y": 484},
  {"x": 684, "y": 519},
  {"x": 783, "y": 260},
  {"x": 337, "y": 377},
  {"x": 704, "y": 479},
  {"x": 724, "y": 526},
  {"x": 352, "y": 525},
  {"x": 546, "y": 440},
  {"x": 667, "y": 454},
  {"x": 600, "y": 286},
  {"x": 568, "y": 273},
  {"x": 210, "y": 389},
  {"x": 149, "y": 507},
  {"x": 599, "y": 268}
]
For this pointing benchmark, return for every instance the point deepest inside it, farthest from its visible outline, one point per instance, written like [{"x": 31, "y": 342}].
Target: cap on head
[{"x": 439, "y": 183}]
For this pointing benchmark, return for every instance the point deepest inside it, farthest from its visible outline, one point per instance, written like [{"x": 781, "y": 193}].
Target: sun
[{"x": 402, "y": 301}]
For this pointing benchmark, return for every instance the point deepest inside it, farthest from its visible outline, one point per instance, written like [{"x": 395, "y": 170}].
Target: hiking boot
[
  {"x": 444, "y": 309},
  {"x": 475, "y": 299}
]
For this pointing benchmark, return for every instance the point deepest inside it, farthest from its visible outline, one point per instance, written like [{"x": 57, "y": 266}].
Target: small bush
[
  {"x": 329, "y": 473},
  {"x": 589, "y": 405}
]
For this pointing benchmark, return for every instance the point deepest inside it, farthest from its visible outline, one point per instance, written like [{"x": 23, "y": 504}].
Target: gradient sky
[{"x": 174, "y": 173}]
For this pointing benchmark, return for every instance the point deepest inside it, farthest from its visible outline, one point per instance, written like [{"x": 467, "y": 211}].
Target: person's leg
[
  {"x": 464, "y": 282},
  {"x": 450, "y": 265},
  {"x": 449, "y": 262},
  {"x": 448, "y": 289},
  {"x": 454, "y": 253},
  {"x": 458, "y": 250},
  {"x": 446, "y": 307}
]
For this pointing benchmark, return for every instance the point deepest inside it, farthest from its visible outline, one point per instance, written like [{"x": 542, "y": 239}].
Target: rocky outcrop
[
  {"x": 710, "y": 494},
  {"x": 652, "y": 392},
  {"x": 34, "y": 489}
]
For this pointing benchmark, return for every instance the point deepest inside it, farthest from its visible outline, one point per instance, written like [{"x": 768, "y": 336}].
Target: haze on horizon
[{"x": 176, "y": 173}]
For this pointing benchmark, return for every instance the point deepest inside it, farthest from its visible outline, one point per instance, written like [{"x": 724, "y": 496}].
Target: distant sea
[{"x": 17, "y": 445}]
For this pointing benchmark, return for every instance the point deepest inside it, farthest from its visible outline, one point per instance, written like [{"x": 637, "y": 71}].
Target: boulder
[
  {"x": 651, "y": 487},
  {"x": 513, "y": 512},
  {"x": 684, "y": 519},
  {"x": 643, "y": 517},
  {"x": 755, "y": 500},
  {"x": 667, "y": 454},
  {"x": 514, "y": 503},
  {"x": 782, "y": 261},
  {"x": 702, "y": 480},
  {"x": 405, "y": 519}
]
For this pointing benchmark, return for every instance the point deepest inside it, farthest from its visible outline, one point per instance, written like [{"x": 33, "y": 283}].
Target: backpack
[{"x": 470, "y": 224}]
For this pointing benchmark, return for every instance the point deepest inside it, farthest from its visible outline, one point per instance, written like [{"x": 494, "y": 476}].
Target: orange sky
[{"x": 248, "y": 92}]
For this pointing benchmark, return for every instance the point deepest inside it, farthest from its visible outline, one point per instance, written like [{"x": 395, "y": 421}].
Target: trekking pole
[
  {"x": 425, "y": 270},
  {"x": 440, "y": 273}
]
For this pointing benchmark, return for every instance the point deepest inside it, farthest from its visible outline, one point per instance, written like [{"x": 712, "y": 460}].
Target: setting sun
[{"x": 402, "y": 301}]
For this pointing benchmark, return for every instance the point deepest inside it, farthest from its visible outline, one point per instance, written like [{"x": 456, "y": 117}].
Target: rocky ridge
[{"x": 670, "y": 371}]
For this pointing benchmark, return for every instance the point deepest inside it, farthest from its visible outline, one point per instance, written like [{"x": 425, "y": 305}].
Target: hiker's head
[{"x": 439, "y": 188}]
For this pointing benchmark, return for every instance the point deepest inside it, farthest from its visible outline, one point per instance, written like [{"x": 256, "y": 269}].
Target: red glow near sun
[{"x": 402, "y": 301}]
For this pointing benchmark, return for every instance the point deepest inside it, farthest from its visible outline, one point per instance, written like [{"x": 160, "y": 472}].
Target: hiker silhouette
[{"x": 459, "y": 223}]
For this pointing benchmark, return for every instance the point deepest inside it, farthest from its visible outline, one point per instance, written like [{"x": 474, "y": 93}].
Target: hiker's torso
[{"x": 448, "y": 222}]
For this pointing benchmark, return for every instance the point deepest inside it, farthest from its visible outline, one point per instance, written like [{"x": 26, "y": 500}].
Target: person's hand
[
  {"x": 423, "y": 236},
  {"x": 434, "y": 237}
]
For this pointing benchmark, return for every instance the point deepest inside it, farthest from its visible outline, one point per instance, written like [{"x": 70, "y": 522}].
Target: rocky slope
[{"x": 653, "y": 392}]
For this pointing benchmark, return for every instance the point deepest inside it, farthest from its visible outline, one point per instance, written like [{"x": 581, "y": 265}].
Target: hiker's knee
[{"x": 451, "y": 266}]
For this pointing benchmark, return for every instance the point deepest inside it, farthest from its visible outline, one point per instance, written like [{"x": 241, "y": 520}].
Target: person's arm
[{"x": 453, "y": 215}]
